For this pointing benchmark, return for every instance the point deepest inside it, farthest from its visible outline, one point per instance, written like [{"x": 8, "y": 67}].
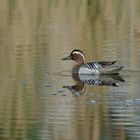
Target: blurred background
[{"x": 35, "y": 36}]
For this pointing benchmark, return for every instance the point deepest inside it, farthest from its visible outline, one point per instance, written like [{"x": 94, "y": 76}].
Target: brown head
[{"x": 76, "y": 55}]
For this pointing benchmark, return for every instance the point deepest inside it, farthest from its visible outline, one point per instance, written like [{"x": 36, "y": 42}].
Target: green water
[{"x": 36, "y": 97}]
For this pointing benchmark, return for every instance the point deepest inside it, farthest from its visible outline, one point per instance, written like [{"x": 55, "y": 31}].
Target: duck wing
[
  {"x": 106, "y": 63},
  {"x": 98, "y": 65}
]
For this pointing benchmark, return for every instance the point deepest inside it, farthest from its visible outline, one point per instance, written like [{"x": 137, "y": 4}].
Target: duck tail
[
  {"x": 113, "y": 62},
  {"x": 120, "y": 67},
  {"x": 117, "y": 69}
]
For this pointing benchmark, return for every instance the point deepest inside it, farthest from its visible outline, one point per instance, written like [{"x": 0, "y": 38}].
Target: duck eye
[{"x": 74, "y": 56}]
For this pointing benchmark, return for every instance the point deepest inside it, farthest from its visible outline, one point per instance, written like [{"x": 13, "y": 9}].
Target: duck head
[{"x": 76, "y": 55}]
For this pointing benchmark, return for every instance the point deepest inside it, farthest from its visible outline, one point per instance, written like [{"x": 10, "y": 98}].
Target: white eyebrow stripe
[{"x": 80, "y": 54}]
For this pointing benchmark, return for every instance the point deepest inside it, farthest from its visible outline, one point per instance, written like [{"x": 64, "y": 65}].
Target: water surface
[{"x": 37, "y": 100}]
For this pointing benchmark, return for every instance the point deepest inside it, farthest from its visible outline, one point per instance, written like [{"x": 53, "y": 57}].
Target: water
[{"x": 39, "y": 99}]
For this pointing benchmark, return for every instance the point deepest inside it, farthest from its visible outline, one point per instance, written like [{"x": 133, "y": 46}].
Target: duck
[{"x": 95, "y": 67}]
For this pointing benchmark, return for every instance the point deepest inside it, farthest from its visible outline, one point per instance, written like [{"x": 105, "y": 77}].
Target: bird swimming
[{"x": 99, "y": 67}]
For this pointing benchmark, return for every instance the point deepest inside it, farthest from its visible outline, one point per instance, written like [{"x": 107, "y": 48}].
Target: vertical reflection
[
  {"x": 18, "y": 99},
  {"x": 68, "y": 118}
]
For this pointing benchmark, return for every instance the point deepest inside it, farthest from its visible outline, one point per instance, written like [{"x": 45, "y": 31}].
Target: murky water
[{"x": 39, "y": 99}]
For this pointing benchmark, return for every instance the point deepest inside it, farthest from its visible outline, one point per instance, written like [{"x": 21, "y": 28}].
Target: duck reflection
[
  {"x": 93, "y": 80},
  {"x": 101, "y": 80}
]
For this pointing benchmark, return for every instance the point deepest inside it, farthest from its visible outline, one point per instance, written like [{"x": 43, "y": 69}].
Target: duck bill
[{"x": 67, "y": 58}]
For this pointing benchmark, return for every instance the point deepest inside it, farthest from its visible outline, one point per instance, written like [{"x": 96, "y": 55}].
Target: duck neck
[
  {"x": 76, "y": 67},
  {"x": 79, "y": 63},
  {"x": 80, "y": 60}
]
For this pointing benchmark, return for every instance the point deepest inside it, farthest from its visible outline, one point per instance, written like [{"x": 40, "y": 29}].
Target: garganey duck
[{"x": 101, "y": 67}]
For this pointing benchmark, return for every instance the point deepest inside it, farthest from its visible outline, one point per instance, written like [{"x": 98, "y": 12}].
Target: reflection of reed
[
  {"x": 17, "y": 93},
  {"x": 33, "y": 35}
]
